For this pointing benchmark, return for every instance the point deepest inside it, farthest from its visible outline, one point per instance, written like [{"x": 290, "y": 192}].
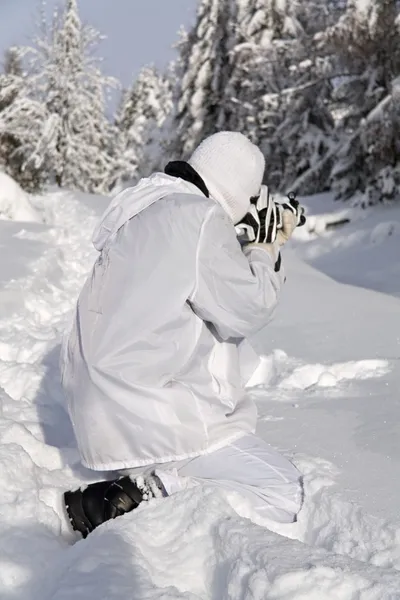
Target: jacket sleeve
[{"x": 236, "y": 290}]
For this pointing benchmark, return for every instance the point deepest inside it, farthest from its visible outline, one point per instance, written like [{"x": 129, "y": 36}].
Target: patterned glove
[
  {"x": 259, "y": 224},
  {"x": 268, "y": 221},
  {"x": 294, "y": 206},
  {"x": 289, "y": 216}
]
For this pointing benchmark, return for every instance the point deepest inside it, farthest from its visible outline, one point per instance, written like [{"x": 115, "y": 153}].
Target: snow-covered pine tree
[
  {"x": 140, "y": 120},
  {"x": 278, "y": 90},
  {"x": 308, "y": 128},
  {"x": 20, "y": 121},
  {"x": 76, "y": 138},
  {"x": 366, "y": 41},
  {"x": 14, "y": 71},
  {"x": 11, "y": 83},
  {"x": 265, "y": 41},
  {"x": 203, "y": 74}
]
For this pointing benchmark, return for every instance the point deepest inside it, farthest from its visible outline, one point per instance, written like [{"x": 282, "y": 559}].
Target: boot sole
[{"x": 76, "y": 515}]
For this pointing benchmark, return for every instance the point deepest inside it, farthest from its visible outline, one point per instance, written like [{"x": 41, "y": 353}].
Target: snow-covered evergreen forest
[{"x": 316, "y": 83}]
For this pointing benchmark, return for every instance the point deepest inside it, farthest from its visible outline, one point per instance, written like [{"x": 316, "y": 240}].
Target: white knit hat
[{"x": 232, "y": 168}]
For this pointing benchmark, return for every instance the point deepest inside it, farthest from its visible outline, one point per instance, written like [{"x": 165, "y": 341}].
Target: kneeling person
[{"x": 151, "y": 367}]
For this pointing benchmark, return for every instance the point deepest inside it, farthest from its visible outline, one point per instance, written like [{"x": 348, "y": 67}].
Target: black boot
[{"x": 96, "y": 503}]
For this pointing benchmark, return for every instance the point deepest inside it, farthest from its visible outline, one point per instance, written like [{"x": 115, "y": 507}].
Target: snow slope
[
  {"x": 327, "y": 393},
  {"x": 365, "y": 252}
]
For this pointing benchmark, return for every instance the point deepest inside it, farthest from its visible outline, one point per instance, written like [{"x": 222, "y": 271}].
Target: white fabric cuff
[{"x": 272, "y": 249}]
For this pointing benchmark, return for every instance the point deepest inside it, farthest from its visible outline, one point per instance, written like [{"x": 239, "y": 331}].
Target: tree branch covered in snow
[{"x": 140, "y": 123}]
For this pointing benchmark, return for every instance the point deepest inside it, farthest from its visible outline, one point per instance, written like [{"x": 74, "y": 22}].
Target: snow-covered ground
[
  {"x": 365, "y": 252},
  {"x": 327, "y": 395}
]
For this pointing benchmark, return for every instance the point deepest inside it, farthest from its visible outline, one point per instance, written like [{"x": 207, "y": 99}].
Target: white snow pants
[{"x": 248, "y": 466}]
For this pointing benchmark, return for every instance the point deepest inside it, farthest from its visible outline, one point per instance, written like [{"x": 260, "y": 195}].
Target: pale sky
[{"x": 139, "y": 32}]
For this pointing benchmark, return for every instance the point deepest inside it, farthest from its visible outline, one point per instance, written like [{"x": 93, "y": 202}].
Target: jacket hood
[{"x": 133, "y": 200}]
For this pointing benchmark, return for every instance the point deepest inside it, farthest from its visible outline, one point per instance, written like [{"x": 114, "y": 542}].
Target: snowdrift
[
  {"x": 327, "y": 394},
  {"x": 196, "y": 547},
  {"x": 14, "y": 202}
]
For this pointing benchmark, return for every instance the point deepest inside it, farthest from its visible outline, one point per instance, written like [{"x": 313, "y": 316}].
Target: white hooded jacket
[{"x": 151, "y": 367}]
